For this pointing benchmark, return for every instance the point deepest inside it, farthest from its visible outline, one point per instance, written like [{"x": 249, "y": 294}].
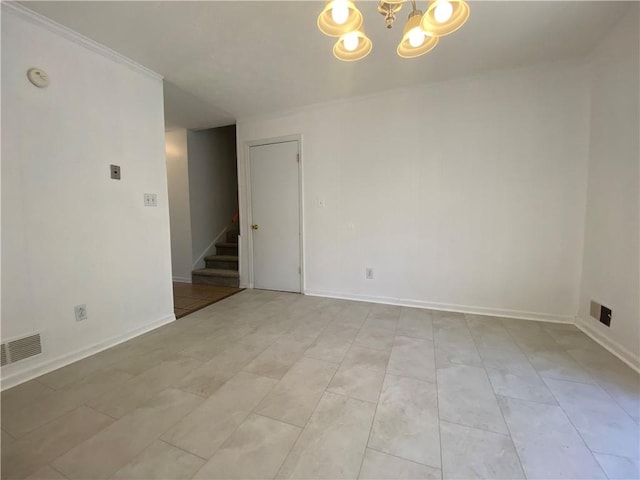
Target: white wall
[
  {"x": 611, "y": 253},
  {"x": 467, "y": 195},
  {"x": 213, "y": 187},
  {"x": 70, "y": 234},
  {"x": 179, "y": 210}
]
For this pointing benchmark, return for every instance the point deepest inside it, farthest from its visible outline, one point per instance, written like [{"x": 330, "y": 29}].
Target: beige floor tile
[
  {"x": 210, "y": 376},
  {"x": 415, "y": 323},
  {"x": 353, "y": 315},
  {"x": 512, "y": 360},
  {"x": 255, "y": 451},
  {"x": 38, "y": 448},
  {"x": 141, "y": 362},
  {"x": 380, "y": 466},
  {"x": 329, "y": 348},
  {"x": 18, "y": 397},
  {"x": 6, "y": 439},
  {"x": 350, "y": 346},
  {"x": 358, "y": 382},
  {"x": 46, "y": 473},
  {"x": 203, "y": 382},
  {"x": 570, "y": 337},
  {"x": 337, "y": 329},
  {"x": 366, "y": 357},
  {"x": 74, "y": 372},
  {"x": 526, "y": 386},
  {"x": 139, "y": 390},
  {"x": 406, "y": 422},
  {"x": 55, "y": 404},
  {"x": 619, "y": 468},
  {"x": 547, "y": 444},
  {"x": 118, "y": 444},
  {"x": 465, "y": 396},
  {"x": 161, "y": 461},
  {"x": 208, "y": 426},
  {"x": 453, "y": 343},
  {"x": 603, "y": 425},
  {"x": 215, "y": 344},
  {"x": 619, "y": 381},
  {"x": 295, "y": 397},
  {"x": 382, "y": 321},
  {"x": 471, "y": 453},
  {"x": 494, "y": 340},
  {"x": 332, "y": 444},
  {"x": 261, "y": 339},
  {"x": 413, "y": 357},
  {"x": 276, "y": 360},
  {"x": 375, "y": 337},
  {"x": 558, "y": 365}
]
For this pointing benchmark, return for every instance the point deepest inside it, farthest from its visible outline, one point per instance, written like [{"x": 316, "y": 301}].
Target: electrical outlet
[
  {"x": 369, "y": 273},
  {"x": 81, "y": 313},
  {"x": 601, "y": 313},
  {"x": 605, "y": 315},
  {"x": 115, "y": 172},
  {"x": 150, "y": 200}
]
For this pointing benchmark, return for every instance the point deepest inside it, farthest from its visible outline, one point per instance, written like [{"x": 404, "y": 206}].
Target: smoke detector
[{"x": 38, "y": 77}]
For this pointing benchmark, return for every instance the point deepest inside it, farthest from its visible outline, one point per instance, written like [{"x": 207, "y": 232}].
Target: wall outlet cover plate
[{"x": 81, "y": 313}]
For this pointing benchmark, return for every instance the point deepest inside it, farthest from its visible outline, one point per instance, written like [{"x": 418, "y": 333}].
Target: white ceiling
[{"x": 225, "y": 60}]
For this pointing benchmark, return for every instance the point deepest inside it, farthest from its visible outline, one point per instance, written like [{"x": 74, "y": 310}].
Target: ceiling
[{"x": 223, "y": 60}]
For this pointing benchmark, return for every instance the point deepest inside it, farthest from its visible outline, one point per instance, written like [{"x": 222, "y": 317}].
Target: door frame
[{"x": 249, "y": 211}]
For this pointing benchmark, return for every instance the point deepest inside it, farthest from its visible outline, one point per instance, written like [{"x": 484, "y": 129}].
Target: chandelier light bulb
[
  {"x": 416, "y": 37},
  {"x": 443, "y": 11},
  {"x": 340, "y": 11},
  {"x": 351, "y": 41}
]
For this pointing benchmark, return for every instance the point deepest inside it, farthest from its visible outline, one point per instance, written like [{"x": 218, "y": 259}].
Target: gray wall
[{"x": 213, "y": 186}]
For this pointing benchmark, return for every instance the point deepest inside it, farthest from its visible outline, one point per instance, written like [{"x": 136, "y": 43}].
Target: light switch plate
[
  {"x": 150, "y": 200},
  {"x": 81, "y": 313}
]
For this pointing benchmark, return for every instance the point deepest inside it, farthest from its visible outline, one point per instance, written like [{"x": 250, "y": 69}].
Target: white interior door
[{"x": 275, "y": 216}]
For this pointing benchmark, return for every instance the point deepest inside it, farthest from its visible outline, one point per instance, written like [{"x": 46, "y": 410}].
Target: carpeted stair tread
[
  {"x": 222, "y": 258},
  {"x": 226, "y": 245},
  {"x": 217, "y": 272}
]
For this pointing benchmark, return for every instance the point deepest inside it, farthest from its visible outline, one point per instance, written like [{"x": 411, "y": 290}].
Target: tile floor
[
  {"x": 274, "y": 385},
  {"x": 189, "y": 298}
]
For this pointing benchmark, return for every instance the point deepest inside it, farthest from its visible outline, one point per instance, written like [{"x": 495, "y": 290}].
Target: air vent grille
[
  {"x": 20, "y": 349},
  {"x": 25, "y": 348},
  {"x": 3, "y": 355}
]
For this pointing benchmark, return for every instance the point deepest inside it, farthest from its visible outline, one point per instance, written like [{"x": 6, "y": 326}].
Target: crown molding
[{"x": 40, "y": 20}]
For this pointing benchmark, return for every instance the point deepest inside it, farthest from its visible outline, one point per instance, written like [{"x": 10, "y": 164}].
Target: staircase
[{"x": 221, "y": 268}]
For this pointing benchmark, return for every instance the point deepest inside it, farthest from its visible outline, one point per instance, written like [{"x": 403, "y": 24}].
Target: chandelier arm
[{"x": 413, "y": 4}]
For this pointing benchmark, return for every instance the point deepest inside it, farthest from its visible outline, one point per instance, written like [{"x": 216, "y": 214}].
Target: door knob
[{"x": 254, "y": 226}]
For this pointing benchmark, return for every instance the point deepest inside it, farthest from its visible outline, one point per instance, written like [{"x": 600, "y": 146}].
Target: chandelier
[{"x": 342, "y": 19}]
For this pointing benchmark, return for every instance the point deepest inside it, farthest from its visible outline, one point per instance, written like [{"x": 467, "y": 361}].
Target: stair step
[
  {"x": 226, "y": 262},
  {"x": 232, "y": 236},
  {"x": 216, "y": 276},
  {"x": 217, "y": 272},
  {"x": 227, "y": 248},
  {"x": 222, "y": 258}
]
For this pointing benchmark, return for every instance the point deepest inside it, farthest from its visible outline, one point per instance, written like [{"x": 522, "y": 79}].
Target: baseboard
[
  {"x": 182, "y": 279},
  {"x": 446, "y": 307},
  {"x": 46, "y": 366},
  {"x": 607, "y": 342}
]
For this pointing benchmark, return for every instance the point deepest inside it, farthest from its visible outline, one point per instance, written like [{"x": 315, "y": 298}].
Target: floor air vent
[{"x": 20, "y": 349}]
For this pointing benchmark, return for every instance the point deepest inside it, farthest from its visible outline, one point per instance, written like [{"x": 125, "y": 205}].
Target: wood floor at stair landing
[{"x": 189, "y": 298}]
